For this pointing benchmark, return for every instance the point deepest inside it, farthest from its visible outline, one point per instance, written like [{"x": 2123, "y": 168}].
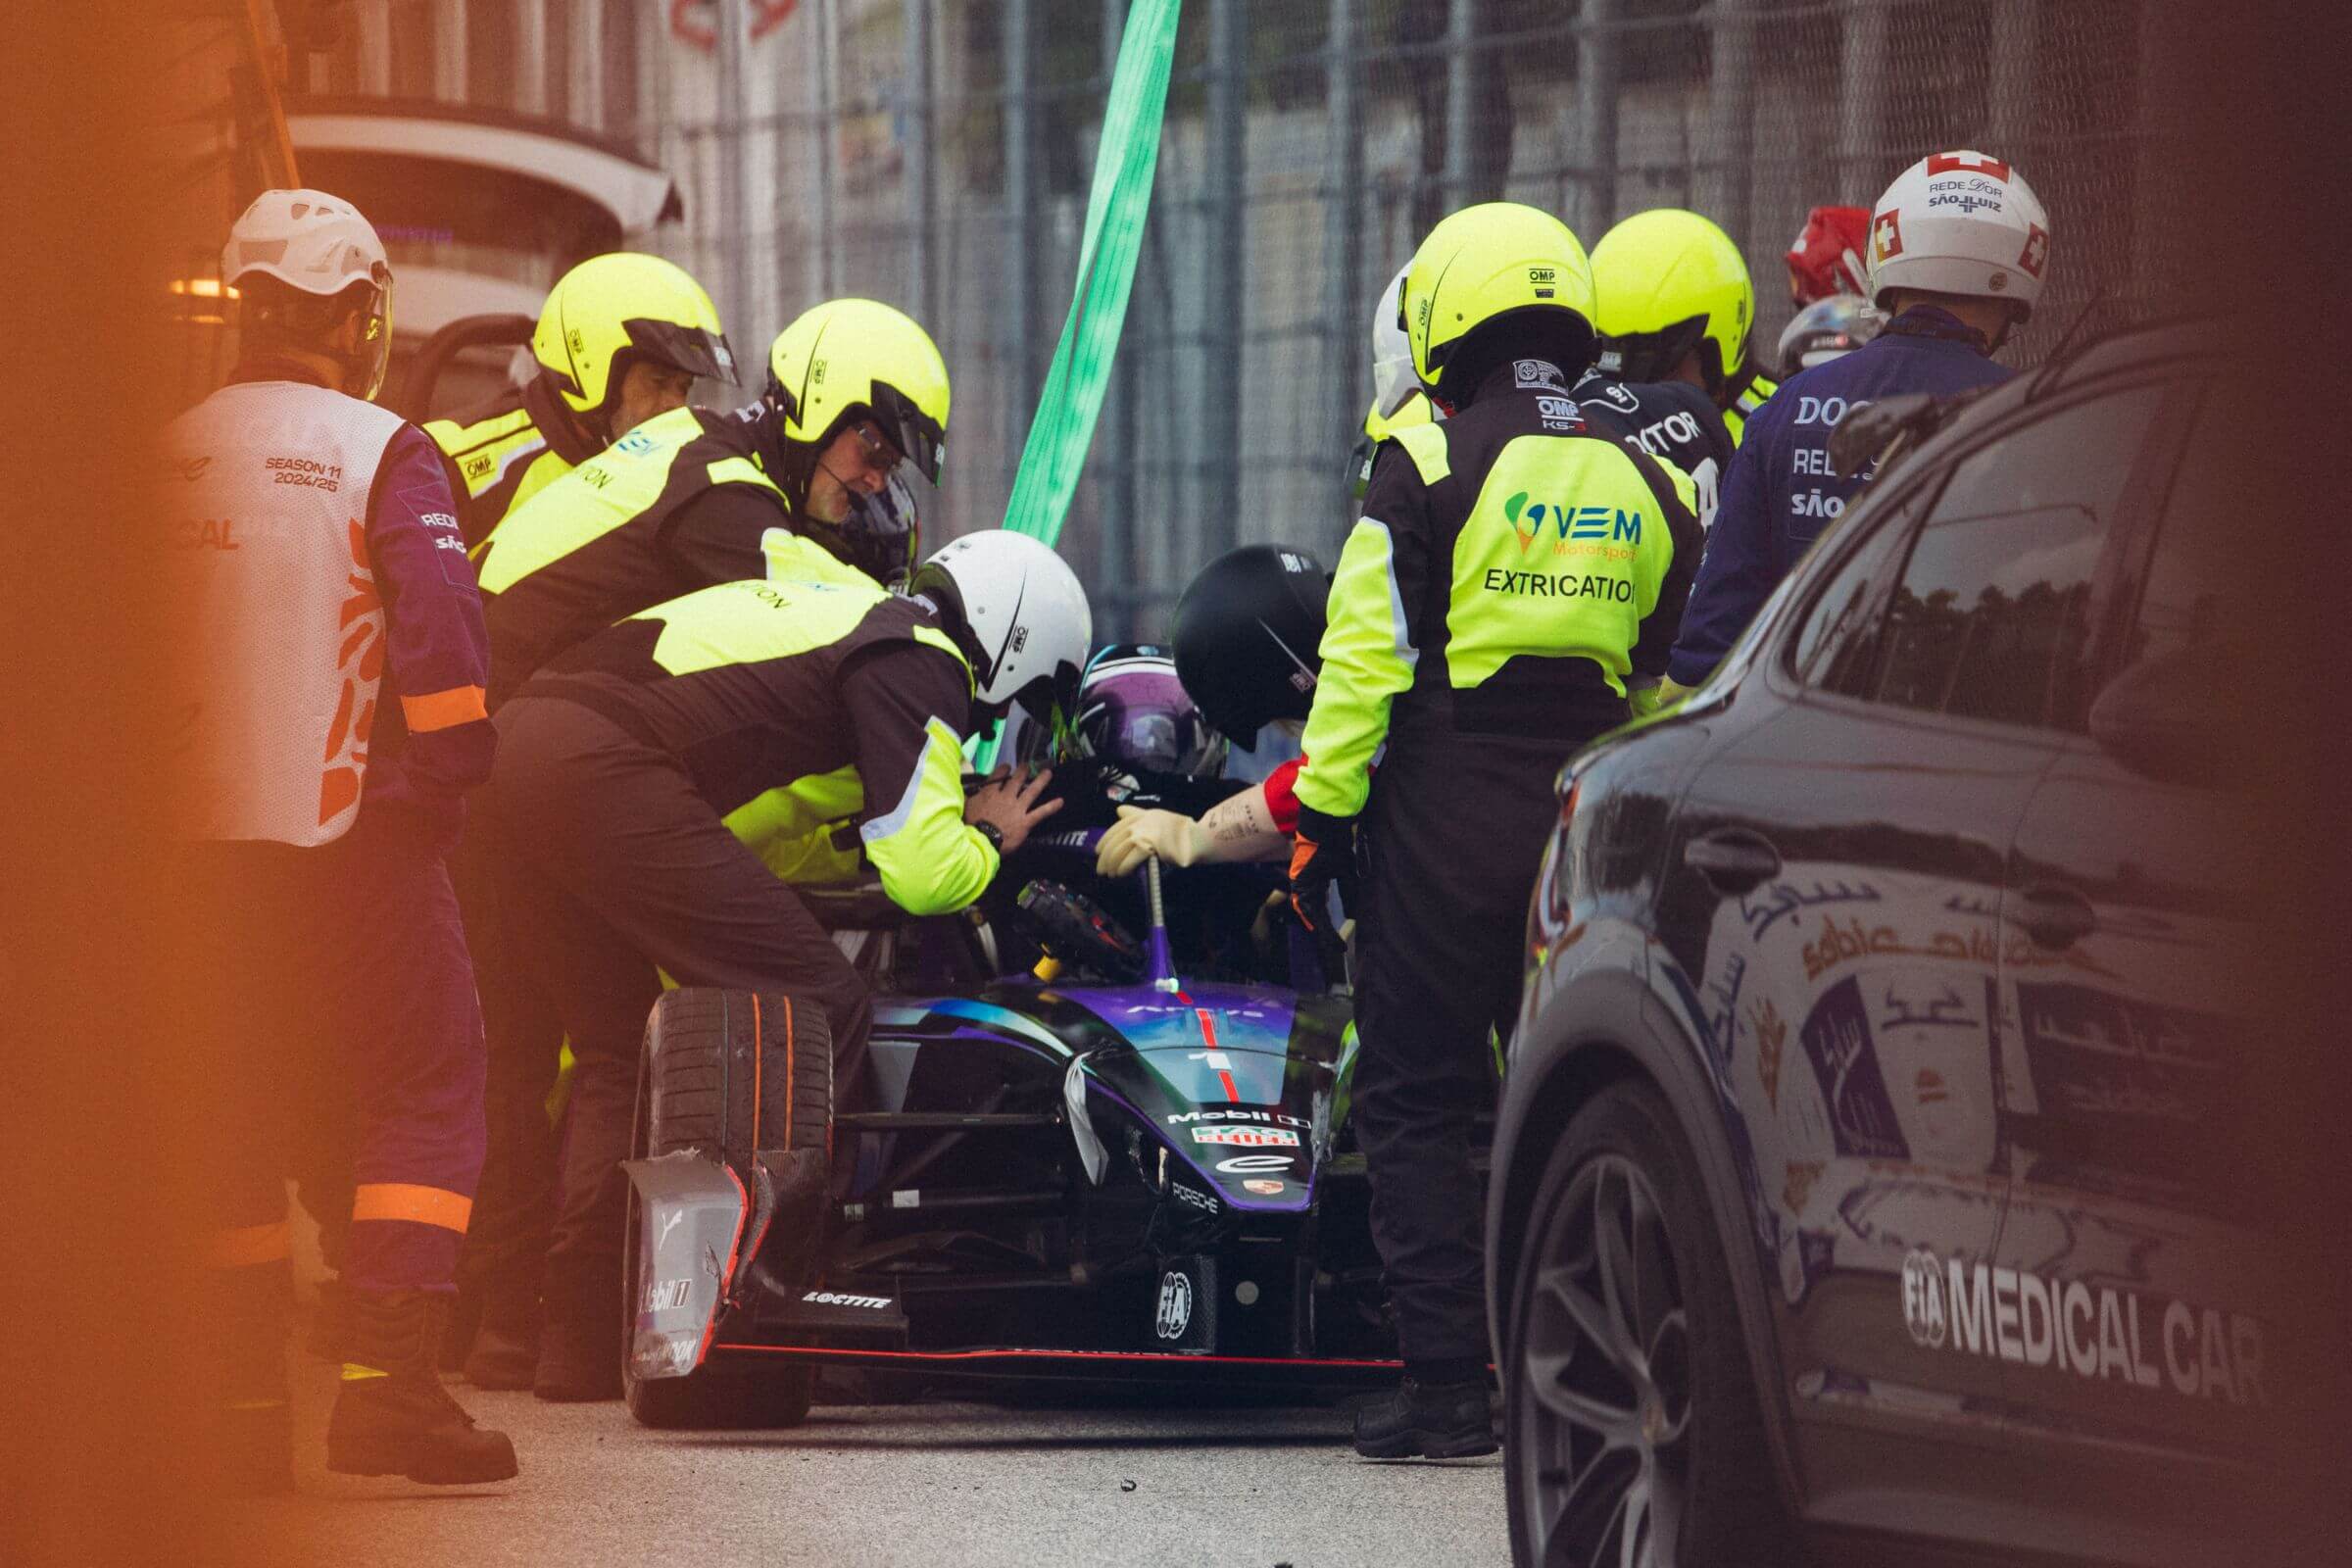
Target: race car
[{"x": 1099, "y": 1169}]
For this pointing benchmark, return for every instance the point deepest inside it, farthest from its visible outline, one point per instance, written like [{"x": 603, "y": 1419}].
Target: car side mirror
[
  {"x": 2174, "y": 717},
  {"x": 1859, "y": 437}
]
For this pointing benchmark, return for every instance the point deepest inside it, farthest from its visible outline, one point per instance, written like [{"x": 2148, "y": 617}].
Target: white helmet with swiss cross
[{"x": 1960, "y": 223}]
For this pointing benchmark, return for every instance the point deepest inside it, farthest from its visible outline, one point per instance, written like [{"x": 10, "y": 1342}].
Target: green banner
[{"x": 1115, "y": 208}]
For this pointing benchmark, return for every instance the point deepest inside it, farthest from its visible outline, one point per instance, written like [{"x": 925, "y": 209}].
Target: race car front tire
[{"x": 730, "y": 1074}]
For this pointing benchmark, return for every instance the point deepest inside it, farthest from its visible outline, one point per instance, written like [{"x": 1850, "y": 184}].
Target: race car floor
[{"x": 1085, "y": 1482}]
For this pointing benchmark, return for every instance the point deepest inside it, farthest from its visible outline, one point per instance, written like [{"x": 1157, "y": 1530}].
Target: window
[
  {"x": 2200, "y": 591},
  {"x": 1993, "y": 616},
  {"x": 1837, "y": 648}
]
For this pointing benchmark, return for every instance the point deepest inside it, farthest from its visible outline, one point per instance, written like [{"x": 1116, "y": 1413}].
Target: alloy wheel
[{"x": 1601, "y": 1420}]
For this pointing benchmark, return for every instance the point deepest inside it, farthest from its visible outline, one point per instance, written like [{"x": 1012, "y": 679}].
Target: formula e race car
[{"x": 1098, "y": 1170}]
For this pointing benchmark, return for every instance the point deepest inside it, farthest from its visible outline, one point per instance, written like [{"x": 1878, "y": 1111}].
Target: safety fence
[{"x": 934, "y": 154}]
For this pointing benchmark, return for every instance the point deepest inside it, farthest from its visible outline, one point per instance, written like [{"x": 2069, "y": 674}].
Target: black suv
[{"x": 1867, "y": 1167}]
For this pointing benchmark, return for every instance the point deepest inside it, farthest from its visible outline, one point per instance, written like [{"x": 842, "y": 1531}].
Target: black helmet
[{"x": 1247, "y": 638}]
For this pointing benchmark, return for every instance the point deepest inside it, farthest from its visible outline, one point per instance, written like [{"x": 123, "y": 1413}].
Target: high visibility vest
[
  {"x": 503, "y": 459},
  {"x": 265, "y": 500},
  {"x": 1754, "y": 395},
  {"x": 640, "y": 477},
  {"x": 589, "y": 549}
]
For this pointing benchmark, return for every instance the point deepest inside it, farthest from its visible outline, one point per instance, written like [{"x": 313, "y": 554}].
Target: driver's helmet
[
  {"x": 1824, "y": 329},
  {"x": 1248, "y": 634},
  {"x": 1133, "y": 711}
]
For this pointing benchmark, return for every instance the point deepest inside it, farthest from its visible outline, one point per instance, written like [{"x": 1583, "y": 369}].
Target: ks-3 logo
[
  {"x": 1528, "y": 519},
  {"x": 1559, "y": 413}
]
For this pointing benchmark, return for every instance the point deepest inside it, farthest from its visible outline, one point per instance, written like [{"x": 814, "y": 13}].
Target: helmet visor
[
  {"x": 882, "y": 535},
  {"x": 683, "y": 348},
  {"x": 1652, "y": 356},
  {"x": 376, "y": 335},
  {"x": 920, "y": 438}
]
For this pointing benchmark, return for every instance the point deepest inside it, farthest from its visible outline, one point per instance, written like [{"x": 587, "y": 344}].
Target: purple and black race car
[{"x": 1108, "y": 1173}]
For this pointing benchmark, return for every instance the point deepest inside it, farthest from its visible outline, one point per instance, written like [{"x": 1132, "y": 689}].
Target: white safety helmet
[
  {"x": 1960, "y": 223},
  {"x": 1393, "y": 377},
  {"x": 1027, "y": 627},
  {"x": 317, "y": 245}
]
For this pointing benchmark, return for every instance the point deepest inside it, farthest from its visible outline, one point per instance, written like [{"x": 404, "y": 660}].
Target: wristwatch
[{"x": 991, "y": 832}]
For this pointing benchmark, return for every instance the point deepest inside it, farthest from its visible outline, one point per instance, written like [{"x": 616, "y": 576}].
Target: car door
[
  {"x": 1845, "y": 856},
  {"x": 2136, "y": 995}
]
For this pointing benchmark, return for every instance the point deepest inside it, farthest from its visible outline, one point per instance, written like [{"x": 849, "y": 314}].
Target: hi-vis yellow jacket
[
  {"x": 853, "y": 700},
  {"x": 682, "y": 501},
  {"x": 1513, "y": 565},
  {"x": 507, "y": 450}
]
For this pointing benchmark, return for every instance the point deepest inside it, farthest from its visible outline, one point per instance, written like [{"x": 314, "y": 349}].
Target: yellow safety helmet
[
  {"x": 1481, "y": 264},
  {"x": 616, "y": 308},
  {"x": 847, "y": 356},
  {"x": 1668, "y": 281}
]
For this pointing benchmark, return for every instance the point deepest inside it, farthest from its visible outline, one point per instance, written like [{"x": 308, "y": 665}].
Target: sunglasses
[{"x": 881, "y": 457}]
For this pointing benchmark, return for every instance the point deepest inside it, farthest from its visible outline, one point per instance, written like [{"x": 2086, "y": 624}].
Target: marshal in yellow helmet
[
  {"x": 613, "y": 311},
  {"x": 856, "y": 391},
  {"x": 1674, "y": 294},
  {"x": 846, "y": 356},
  {"x": 1482, "y": 266}
]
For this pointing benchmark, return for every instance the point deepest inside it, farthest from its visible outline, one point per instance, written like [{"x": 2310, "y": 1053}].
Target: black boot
[
  {"x": 580, "y": 1345},
  {"x": 506, "y": 1344},
  {"x": 578, "y": 1362},
  {"x": 392, "y": 1416},
  {"x": 1433, "y": 1420},
  {"x": 459, "y": 1333}
]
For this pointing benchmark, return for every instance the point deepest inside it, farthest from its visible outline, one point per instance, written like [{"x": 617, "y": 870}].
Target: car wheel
[
  {"x": 1633, "y": 1430},
  {"x": 729, "y": 1074}
]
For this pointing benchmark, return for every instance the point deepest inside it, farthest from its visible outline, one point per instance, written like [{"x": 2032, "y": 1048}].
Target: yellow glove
[
  {"x": 1140, "y": 835},
  {"x": 1644, "y": 697}
]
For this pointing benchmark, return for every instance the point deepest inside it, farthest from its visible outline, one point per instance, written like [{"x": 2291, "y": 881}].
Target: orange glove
[{"x": 1323, "y": 852}]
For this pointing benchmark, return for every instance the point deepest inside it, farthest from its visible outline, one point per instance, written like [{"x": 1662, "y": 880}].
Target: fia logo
[
  {"x": 1923, "y": 1298},
  {"x": 1175, "y": 1313}
]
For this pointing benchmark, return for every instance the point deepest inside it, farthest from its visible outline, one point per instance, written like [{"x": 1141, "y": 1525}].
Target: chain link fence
[{"x": 936, "y": 153}]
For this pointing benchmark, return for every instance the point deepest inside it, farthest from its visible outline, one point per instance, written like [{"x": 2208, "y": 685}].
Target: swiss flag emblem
[
  {"x": 2036, "y": 254},
  {"x": 1967, "y": 164},
  {"x": 1886, "y": 235}
]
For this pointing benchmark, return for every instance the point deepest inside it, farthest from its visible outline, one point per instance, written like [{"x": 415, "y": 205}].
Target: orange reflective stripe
[
  {"x": 460, "y": 705},
  {"x": 424, "y": 1206},
  {"x": 241, "y": 1245}
]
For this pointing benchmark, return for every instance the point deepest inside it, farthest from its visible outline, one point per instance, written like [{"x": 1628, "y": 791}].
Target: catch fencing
[{"x": 934, "y": 154}]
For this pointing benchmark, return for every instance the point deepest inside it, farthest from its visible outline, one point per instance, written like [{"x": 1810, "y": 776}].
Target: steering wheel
[{"x": 1076, "y": 930}]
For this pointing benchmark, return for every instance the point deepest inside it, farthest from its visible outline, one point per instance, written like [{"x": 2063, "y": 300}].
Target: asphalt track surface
[{"x": 1087, "y": 1481}]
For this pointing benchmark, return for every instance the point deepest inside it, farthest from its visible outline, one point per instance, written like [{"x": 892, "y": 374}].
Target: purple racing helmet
[{"x": 1133, "y": 710}]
